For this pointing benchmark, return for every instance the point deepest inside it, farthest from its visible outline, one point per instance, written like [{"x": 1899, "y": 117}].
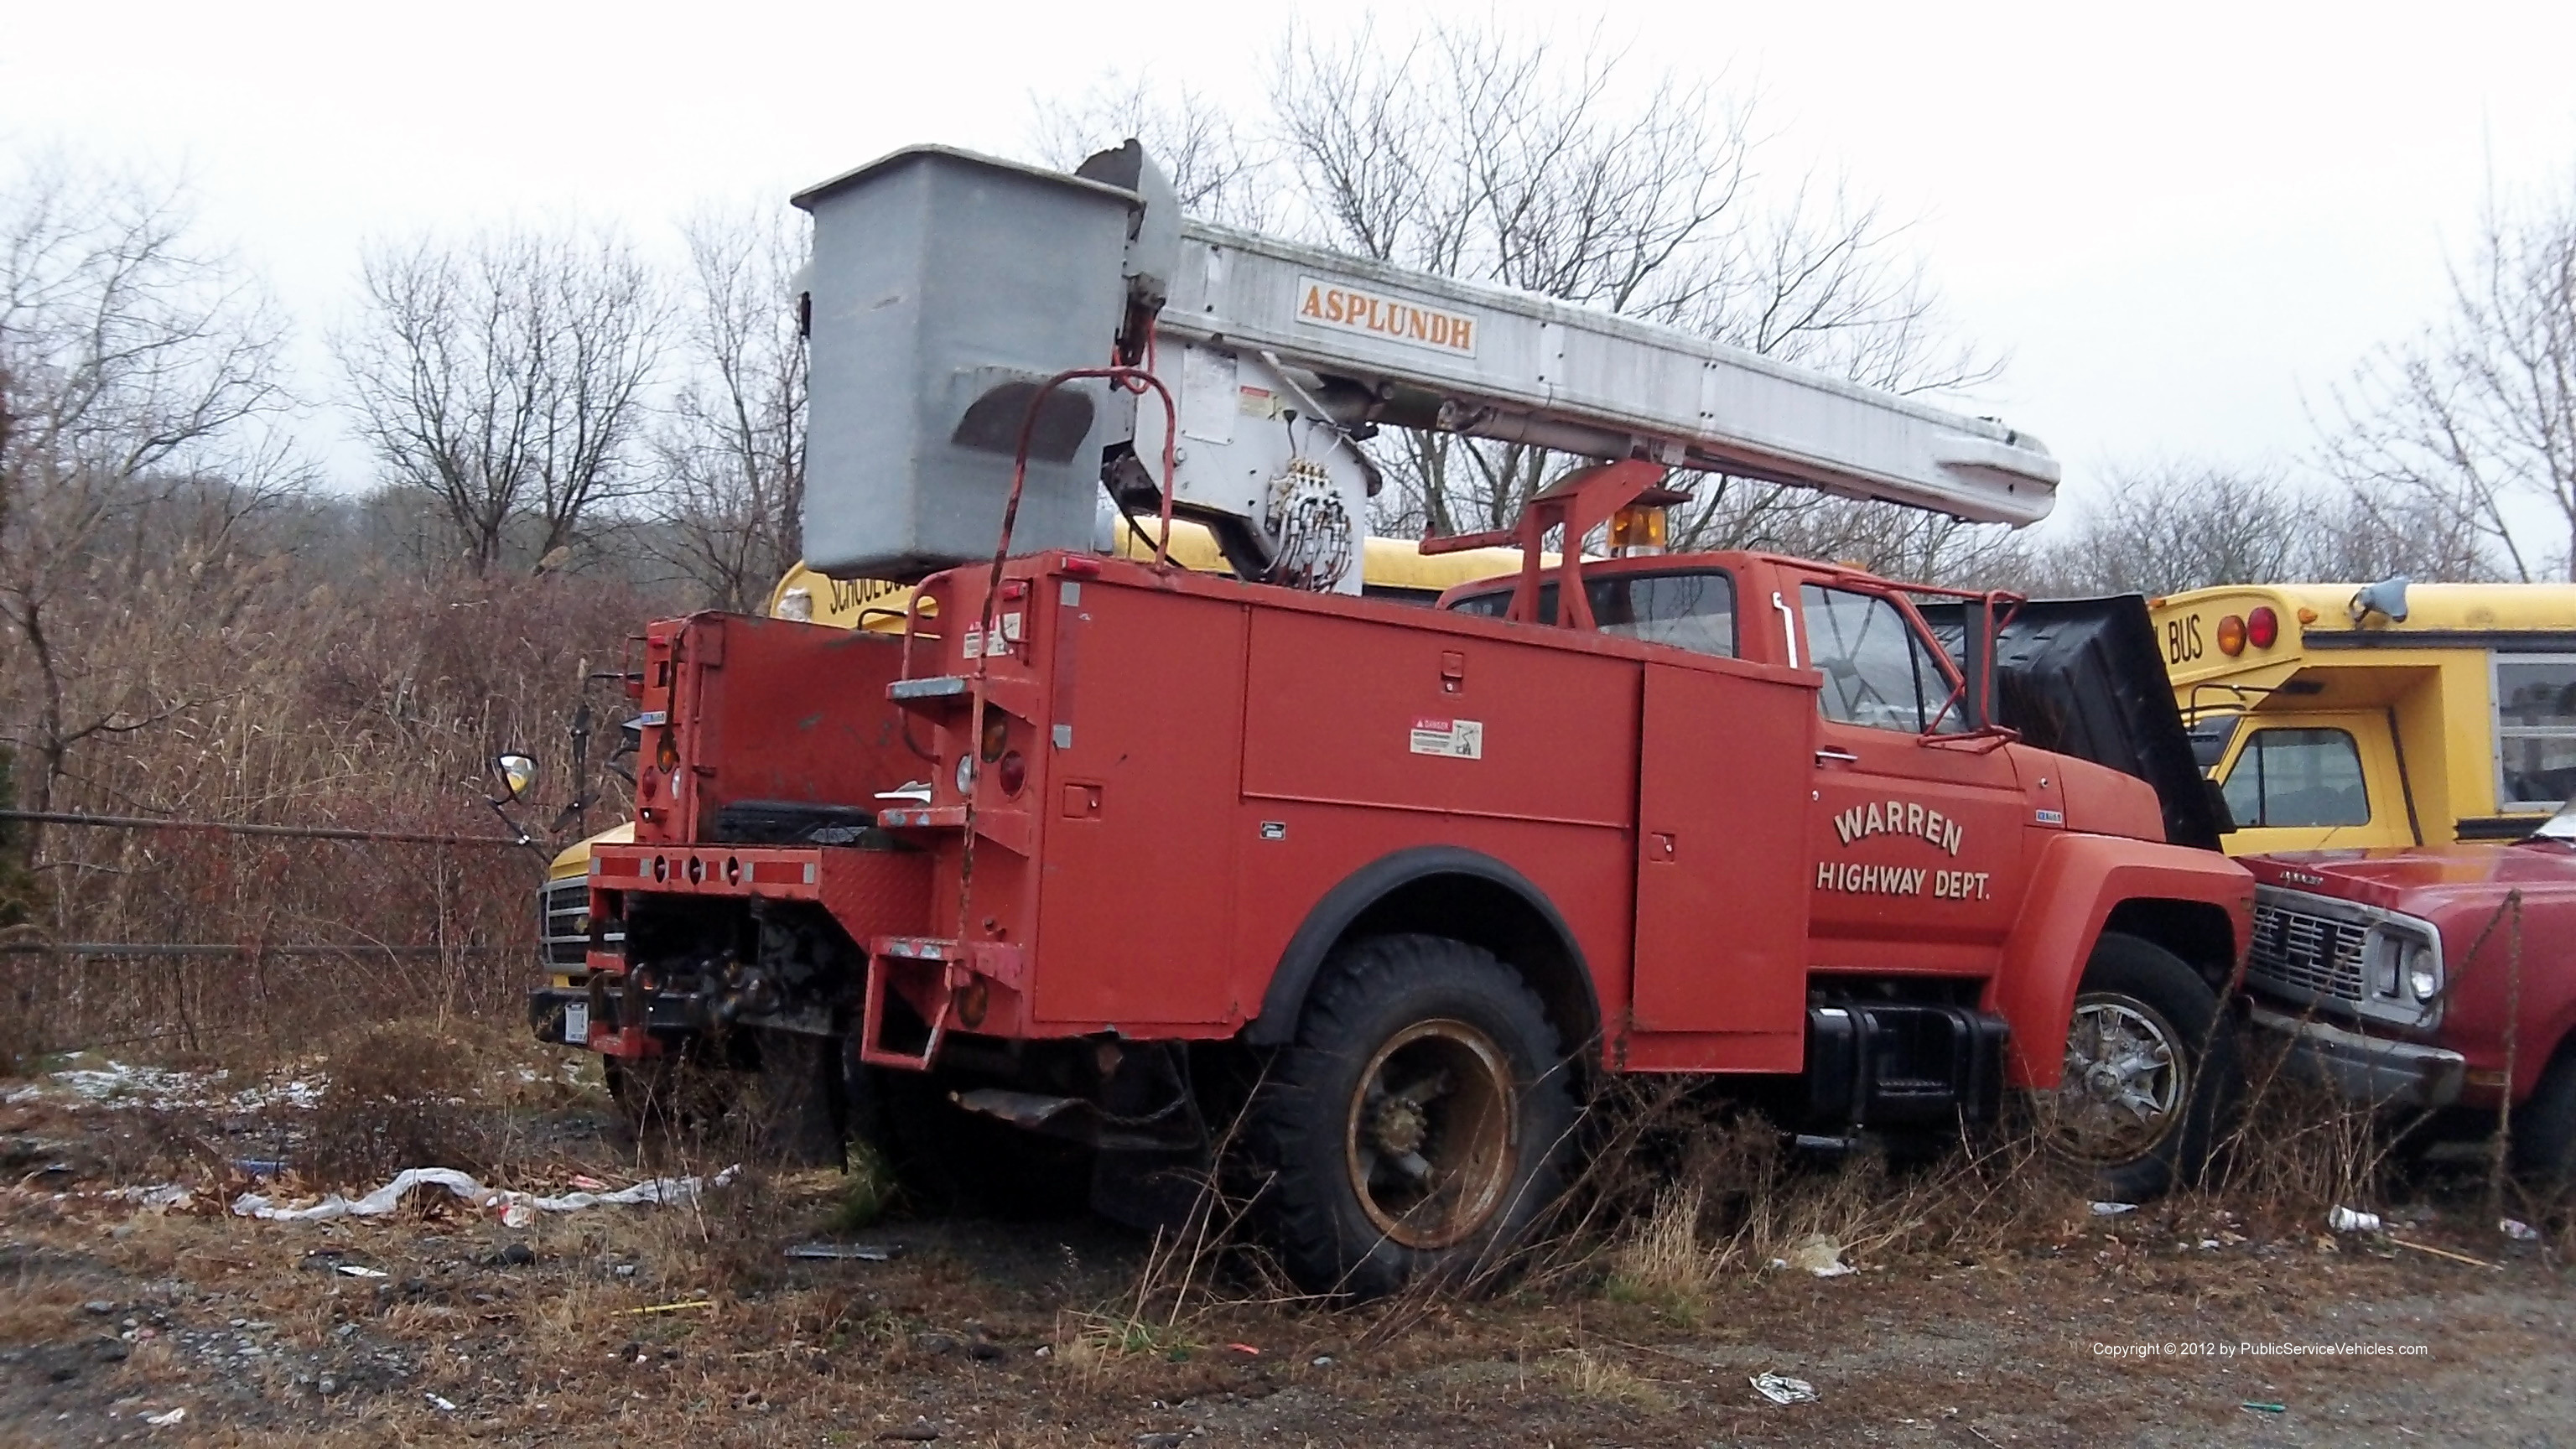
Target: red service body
[{"x": 1184, "y": 790}]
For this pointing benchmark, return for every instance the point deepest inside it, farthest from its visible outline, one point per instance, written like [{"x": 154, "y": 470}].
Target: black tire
[
  {"x": 2147, "y": 1032},
  {"x": 798, "y": 1116},
  {"x": 2544, "y": 1129},
  {"x": 1473, "y": 1115}
]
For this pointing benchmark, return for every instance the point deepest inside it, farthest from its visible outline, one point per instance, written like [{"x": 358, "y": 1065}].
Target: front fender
[{"x": 2080, "y": 879}]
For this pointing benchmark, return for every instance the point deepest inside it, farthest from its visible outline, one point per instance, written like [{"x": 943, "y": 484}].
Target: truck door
[
  {"x": 1916, "y": 832},
  {"x": 1721, "y": 903},
  {"x": 2314, "y": 780}
]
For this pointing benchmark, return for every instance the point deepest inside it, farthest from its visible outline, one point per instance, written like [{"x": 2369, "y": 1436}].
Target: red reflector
[
  {"x": 2231, "y": 636},
  {"x": 1080, "y": 567},
  {"x": 1012, "y": 771},
  {"x": 1015, "y": 588},
  {"x": 2262, "y": 628}
]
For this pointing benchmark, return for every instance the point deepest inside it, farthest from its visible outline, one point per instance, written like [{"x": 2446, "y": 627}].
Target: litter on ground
[
  {"x": 515, "y": 1208},
  {"x": 2346, "y": 1220},
  {"x": 1781, "y": 1389},
  {"x": 862, "y": 1252},
  {"x": 1819, "y": 1255}
]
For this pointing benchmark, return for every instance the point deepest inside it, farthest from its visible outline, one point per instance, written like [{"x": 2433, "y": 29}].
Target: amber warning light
[{"x": 1637, "y": 530}]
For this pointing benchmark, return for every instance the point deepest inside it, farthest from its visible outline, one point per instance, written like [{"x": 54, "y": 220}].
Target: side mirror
[
  {"x": 518, "y": 776},
  {"x": 2386, "y": 598}
]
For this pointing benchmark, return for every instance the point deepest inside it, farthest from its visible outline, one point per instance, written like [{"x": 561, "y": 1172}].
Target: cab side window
[
  {"x": 2297, "y": 777},
  {"x": 1878, "y": 671}
]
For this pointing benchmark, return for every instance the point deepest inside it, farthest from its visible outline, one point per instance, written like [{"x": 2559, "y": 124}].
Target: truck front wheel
[
  {"x": 2544, "y": 1129},
  {"x": 1418, "y": 1122},
  {"x": 2149, "y": 1070}
]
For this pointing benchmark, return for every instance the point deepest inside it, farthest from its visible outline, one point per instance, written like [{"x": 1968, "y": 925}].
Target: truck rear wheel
[
  {"x": 2149, "y": 1070},
  {"x": 1418, "y": 1122}
]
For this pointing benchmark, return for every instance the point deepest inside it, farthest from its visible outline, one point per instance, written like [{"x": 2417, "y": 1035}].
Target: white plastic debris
[
  {"x": 861, "y": 1252},
  {"x": 515, "y": 1208},
  {"x": 2113, "y": 1209},
  {"x": 1782, "y": 1389},
  {"x": 2518, "y": 1230},
  {"x": 2345, "y": 1220},
  {"x": 161, "y": 1421},
  {"x": 1819, "y": 1255},
  {"x": 358, "y": 1270},
  {"x": 444, "y": 1406},
  {"x": 161, "y": 1195}
]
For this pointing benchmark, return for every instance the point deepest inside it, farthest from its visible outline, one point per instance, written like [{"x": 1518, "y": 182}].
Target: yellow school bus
[{"x": 2336, "y": 715}]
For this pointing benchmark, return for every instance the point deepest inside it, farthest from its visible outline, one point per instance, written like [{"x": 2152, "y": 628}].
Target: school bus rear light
[{"x": 2231, "y": 636}]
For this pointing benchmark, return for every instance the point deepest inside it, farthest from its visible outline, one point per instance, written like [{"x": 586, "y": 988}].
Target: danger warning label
[{"x": 1459, "y": 739}]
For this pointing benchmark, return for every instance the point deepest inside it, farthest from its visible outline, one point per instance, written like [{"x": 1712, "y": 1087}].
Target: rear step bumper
[{"x": 871, "y": 893}]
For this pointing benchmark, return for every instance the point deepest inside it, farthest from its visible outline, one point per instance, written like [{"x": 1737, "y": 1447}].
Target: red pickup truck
[{"x": 2440, "y": 979}]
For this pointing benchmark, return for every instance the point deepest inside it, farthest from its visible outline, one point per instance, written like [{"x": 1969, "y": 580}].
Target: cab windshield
[{"x": 1688, "y": 608}]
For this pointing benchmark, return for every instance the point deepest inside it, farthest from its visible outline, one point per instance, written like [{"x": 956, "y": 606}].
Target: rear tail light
[
  {"x": 1012, "y": 771},
  {"x": 2262, "y": 628},
  {"x": 2231, "y": 636},
  {"x": 997, "y": 734}
]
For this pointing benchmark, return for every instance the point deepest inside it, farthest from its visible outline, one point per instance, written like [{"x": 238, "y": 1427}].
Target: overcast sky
[{"x": 2181, "y": 223}]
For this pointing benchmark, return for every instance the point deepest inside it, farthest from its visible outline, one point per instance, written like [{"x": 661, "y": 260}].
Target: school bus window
[
  {"x": 2297, "y": 777},
  {"x": 2535, "y": 729}
]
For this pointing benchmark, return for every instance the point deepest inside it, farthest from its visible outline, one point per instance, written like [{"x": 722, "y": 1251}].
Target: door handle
[{"x": 1844, "y": 757}]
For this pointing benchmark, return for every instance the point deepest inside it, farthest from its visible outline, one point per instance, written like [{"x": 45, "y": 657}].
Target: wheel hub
[
  {"x": 2125, "y": 1082},
  {"x": 1431, "y": 1139},
  {"x": 1400, "y": 1127}
]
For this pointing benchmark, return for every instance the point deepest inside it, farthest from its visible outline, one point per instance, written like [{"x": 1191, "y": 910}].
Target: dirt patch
[{"x": 1984, "y": 1305}]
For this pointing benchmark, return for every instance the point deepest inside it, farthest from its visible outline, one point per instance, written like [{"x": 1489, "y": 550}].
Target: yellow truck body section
[{"x": 2325, "y": 730}]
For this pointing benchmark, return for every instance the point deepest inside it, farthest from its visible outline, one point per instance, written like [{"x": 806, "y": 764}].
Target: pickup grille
[
  {"x": 2306, "y": 954},
  {"x": 561, "y": 905}
]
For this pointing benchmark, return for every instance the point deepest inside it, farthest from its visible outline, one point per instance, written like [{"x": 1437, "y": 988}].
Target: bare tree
[
  {"x": 732, "y": 446},
  {"x": 135, "y": 370},
  {"x": 2480, "y": 410},
  {"x": 1217, "y": 171},
  {"x": 507, "y": 378},
  {"x": 1574, "y": 171},
  {"x": 2176, "y": 525}
]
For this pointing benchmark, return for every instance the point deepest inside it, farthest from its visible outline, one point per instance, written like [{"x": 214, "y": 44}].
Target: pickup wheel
[
  {"x": 2150, "y": 1064},
  {"x": 2544, "y": 1129},
  {"x": 1419, "y": 1121}
]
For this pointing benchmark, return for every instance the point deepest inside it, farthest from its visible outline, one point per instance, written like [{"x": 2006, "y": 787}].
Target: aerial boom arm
[{"x": 1495, "y": 362}]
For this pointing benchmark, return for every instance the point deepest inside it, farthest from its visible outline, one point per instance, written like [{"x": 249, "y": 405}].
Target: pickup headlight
[
  {"x": 2423, "y": 971},
  {"x": 2405, "y": 965}
]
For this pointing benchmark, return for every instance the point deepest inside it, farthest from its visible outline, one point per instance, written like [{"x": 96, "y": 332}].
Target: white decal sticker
[
  {"x": 576, "y": 1023},
  {"x": 974, "y": 641},
  {"x": 1458, "y": 739},
  {"x": 1347, "y": 308},
  {"x": 1207, "y": 394}
]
